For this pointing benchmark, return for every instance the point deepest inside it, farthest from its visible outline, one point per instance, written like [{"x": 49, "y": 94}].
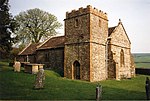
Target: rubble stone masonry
[
  {"x": 89, "y": 50},
  {"x": 100, "y": 55},
  {"x": 85, "y": 43}
]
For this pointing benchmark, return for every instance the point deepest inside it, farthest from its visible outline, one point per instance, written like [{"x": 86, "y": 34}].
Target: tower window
[
  {"x": 76, "y": 22},
  {"x": 99, "y": 23}
]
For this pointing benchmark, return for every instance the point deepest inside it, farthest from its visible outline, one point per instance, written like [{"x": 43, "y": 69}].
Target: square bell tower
[{"x": 86, "y": 31}]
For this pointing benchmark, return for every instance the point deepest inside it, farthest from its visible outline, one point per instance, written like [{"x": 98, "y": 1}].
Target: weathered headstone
[
  {"x": 17, "y": 66},
  {"x": 40, "y": 77},
  {"x": 98, "y": 92},
  {"x": 147, "y": 88}
]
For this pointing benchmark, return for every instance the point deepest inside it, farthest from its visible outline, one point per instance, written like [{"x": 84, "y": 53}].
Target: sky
[{"x": 134, "y": 14}]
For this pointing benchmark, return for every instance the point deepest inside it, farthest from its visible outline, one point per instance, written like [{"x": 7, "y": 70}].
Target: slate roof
[
  {"x": 30, "y": 49},
  {"x": 54, "y": 42},
  {"x": 110, "y": 30}
]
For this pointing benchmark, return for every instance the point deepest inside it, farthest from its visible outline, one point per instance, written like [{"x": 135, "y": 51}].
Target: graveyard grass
[{"x": 19, "y": 86}]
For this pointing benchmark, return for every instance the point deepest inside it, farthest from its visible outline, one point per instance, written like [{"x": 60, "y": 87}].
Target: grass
[
  {"x": 18, "y": 86},
  {"x": 141, "y": 59},
  {"x": 142, "y": 65}
]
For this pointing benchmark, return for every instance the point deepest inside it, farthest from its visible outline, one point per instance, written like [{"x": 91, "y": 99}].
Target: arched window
[
  {"x": 121, "y": 58},
  {"x": 76, "y": 66}
]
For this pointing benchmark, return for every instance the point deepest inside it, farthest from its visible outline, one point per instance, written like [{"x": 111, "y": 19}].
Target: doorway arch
[{"x": 76, "y": 66}]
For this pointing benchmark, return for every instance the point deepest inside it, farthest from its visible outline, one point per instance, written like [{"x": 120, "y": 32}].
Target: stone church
[{"x": 89, "y": 50}]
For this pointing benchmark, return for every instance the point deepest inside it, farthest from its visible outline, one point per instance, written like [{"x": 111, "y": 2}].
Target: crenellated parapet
[{"x": 88, "y": 10}]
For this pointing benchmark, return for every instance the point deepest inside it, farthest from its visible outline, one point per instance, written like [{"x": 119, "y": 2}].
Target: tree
[
  {"x": 15, "y": 51},
  {"x": 6, "y": 28},
  {"x": 36, "y": 25}
]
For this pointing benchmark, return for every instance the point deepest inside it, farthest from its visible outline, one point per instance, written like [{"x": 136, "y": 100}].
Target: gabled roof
[
  {"x": 54, "y": 42},
  {"x": 124, "y": 30},
  {"x": 30, "y": 49},
  {"x": 112, "y": 29}
]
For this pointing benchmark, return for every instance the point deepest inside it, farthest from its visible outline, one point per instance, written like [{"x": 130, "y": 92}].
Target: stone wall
[
  {"x": 83, "y": 11},
  {"x": 32, "y": 59},
  {"x": 52, "y": 58},
  {"x": 86, "y": 32},
  {"x": 111, "y": 64},
  {"x": 77, "y": 34},
  {"x": 120, "y": 41},
  {"x": 98, "y": 37},
  {"x": 77, "y": 46},
  {"x": 97, "y": 62},
  {"x": 98, "y": 29},
  {"x": 119, "y": 37},
  {"x": 23, "y": 58},
  {"x": 123, "y": 71},
  {"x": 90, "y": 52},
  {"x": 80, "y": 53}
]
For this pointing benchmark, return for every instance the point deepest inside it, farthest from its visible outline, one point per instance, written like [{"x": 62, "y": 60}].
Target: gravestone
[
  {"x": 17, "y": 66},
  {"x": 40, "y": 77},
  {"x": 147, "y": 88},
  {"x": 98, "y": 92}
]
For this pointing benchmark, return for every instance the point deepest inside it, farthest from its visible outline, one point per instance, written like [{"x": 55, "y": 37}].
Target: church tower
[{"x": 86, "y": 32}]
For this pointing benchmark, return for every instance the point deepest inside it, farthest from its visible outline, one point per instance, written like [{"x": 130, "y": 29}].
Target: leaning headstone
[
  {"x": 40, "y": 77},
  {"x": 98, "y": 93},
  {"x": 17, "y": 66},
  {"x": 147, "y": 88}
]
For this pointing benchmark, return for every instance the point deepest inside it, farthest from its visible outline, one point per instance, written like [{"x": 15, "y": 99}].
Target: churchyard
[{"x": 19, "y": 86}]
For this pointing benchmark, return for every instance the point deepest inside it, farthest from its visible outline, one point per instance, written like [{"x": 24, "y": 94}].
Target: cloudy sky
[{"x": 134, "y": 14}]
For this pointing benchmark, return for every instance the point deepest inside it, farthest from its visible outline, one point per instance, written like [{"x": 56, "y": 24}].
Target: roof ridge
[
  {"x": 119, "y": 23},
  {"x": 48, "y": 40},
  {"x": 57, "y": 40},
  {"x": 44, "y": 42},
  {"x": 124, "y": 30}
]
